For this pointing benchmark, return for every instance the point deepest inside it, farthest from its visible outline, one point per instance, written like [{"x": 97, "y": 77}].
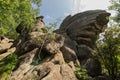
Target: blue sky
[{"x": 54, "y": 9}]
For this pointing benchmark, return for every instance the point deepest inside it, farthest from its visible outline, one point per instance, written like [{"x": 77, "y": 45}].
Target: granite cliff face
[{"x": 44, "y": 56}]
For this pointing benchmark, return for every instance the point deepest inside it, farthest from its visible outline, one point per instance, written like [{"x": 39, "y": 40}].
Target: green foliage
[
  {"x": 49, "y": 32},
  {"x": 7, "y": 65},
  {"x": 109, "y": 51},
  {"x": 81, "y": 73},
  {"x": 115, "y": 7},
  {"x": 13, "y": 12},
  {"x": 51, "y": 36},
  {"x": 50, "y": 29}
]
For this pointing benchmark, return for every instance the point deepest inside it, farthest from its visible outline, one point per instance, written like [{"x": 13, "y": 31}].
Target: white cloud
[
  {"x": 76, "y": 6},
  {"x": 95, "y": 4},
  {"x": 83, "y": 5}
]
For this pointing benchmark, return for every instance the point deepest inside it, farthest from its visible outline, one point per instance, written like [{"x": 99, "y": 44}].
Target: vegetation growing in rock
[
  {"x": 81, "y": 73},
  {"x": 7, "y": 65}
]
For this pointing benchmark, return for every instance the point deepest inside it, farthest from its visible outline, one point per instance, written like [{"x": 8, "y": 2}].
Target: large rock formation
[
  {"x": 44, "y": 56},
  {"x": 40, "y": 57},
  {"x": 81, "y": 32}
]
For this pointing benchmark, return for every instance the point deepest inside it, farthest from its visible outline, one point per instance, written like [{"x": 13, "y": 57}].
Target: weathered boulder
[
  {"x": 86, "y": 17},
  {"x": 85, "y": 27}
]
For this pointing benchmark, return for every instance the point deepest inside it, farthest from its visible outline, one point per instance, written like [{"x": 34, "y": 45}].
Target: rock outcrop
[
  {"x": 40, "y": 57},
  {"x": 45, "y": 56},
  {"x": 82, "y": 31}
]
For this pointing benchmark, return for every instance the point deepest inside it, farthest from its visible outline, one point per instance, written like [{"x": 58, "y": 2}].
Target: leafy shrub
[
  {"x": 109, "y": 51},
  {"x": 81, "y": 73}
]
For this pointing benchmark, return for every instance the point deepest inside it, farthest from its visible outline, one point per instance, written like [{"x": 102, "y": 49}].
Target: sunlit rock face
[{"x": 40, "y": 57}]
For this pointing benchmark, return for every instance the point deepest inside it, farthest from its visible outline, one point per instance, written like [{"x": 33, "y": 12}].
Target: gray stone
[
  {"x": 69, "y": 50},
  {"x": 84, "y": 53},
  {"x": 93, "y": 67}
]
